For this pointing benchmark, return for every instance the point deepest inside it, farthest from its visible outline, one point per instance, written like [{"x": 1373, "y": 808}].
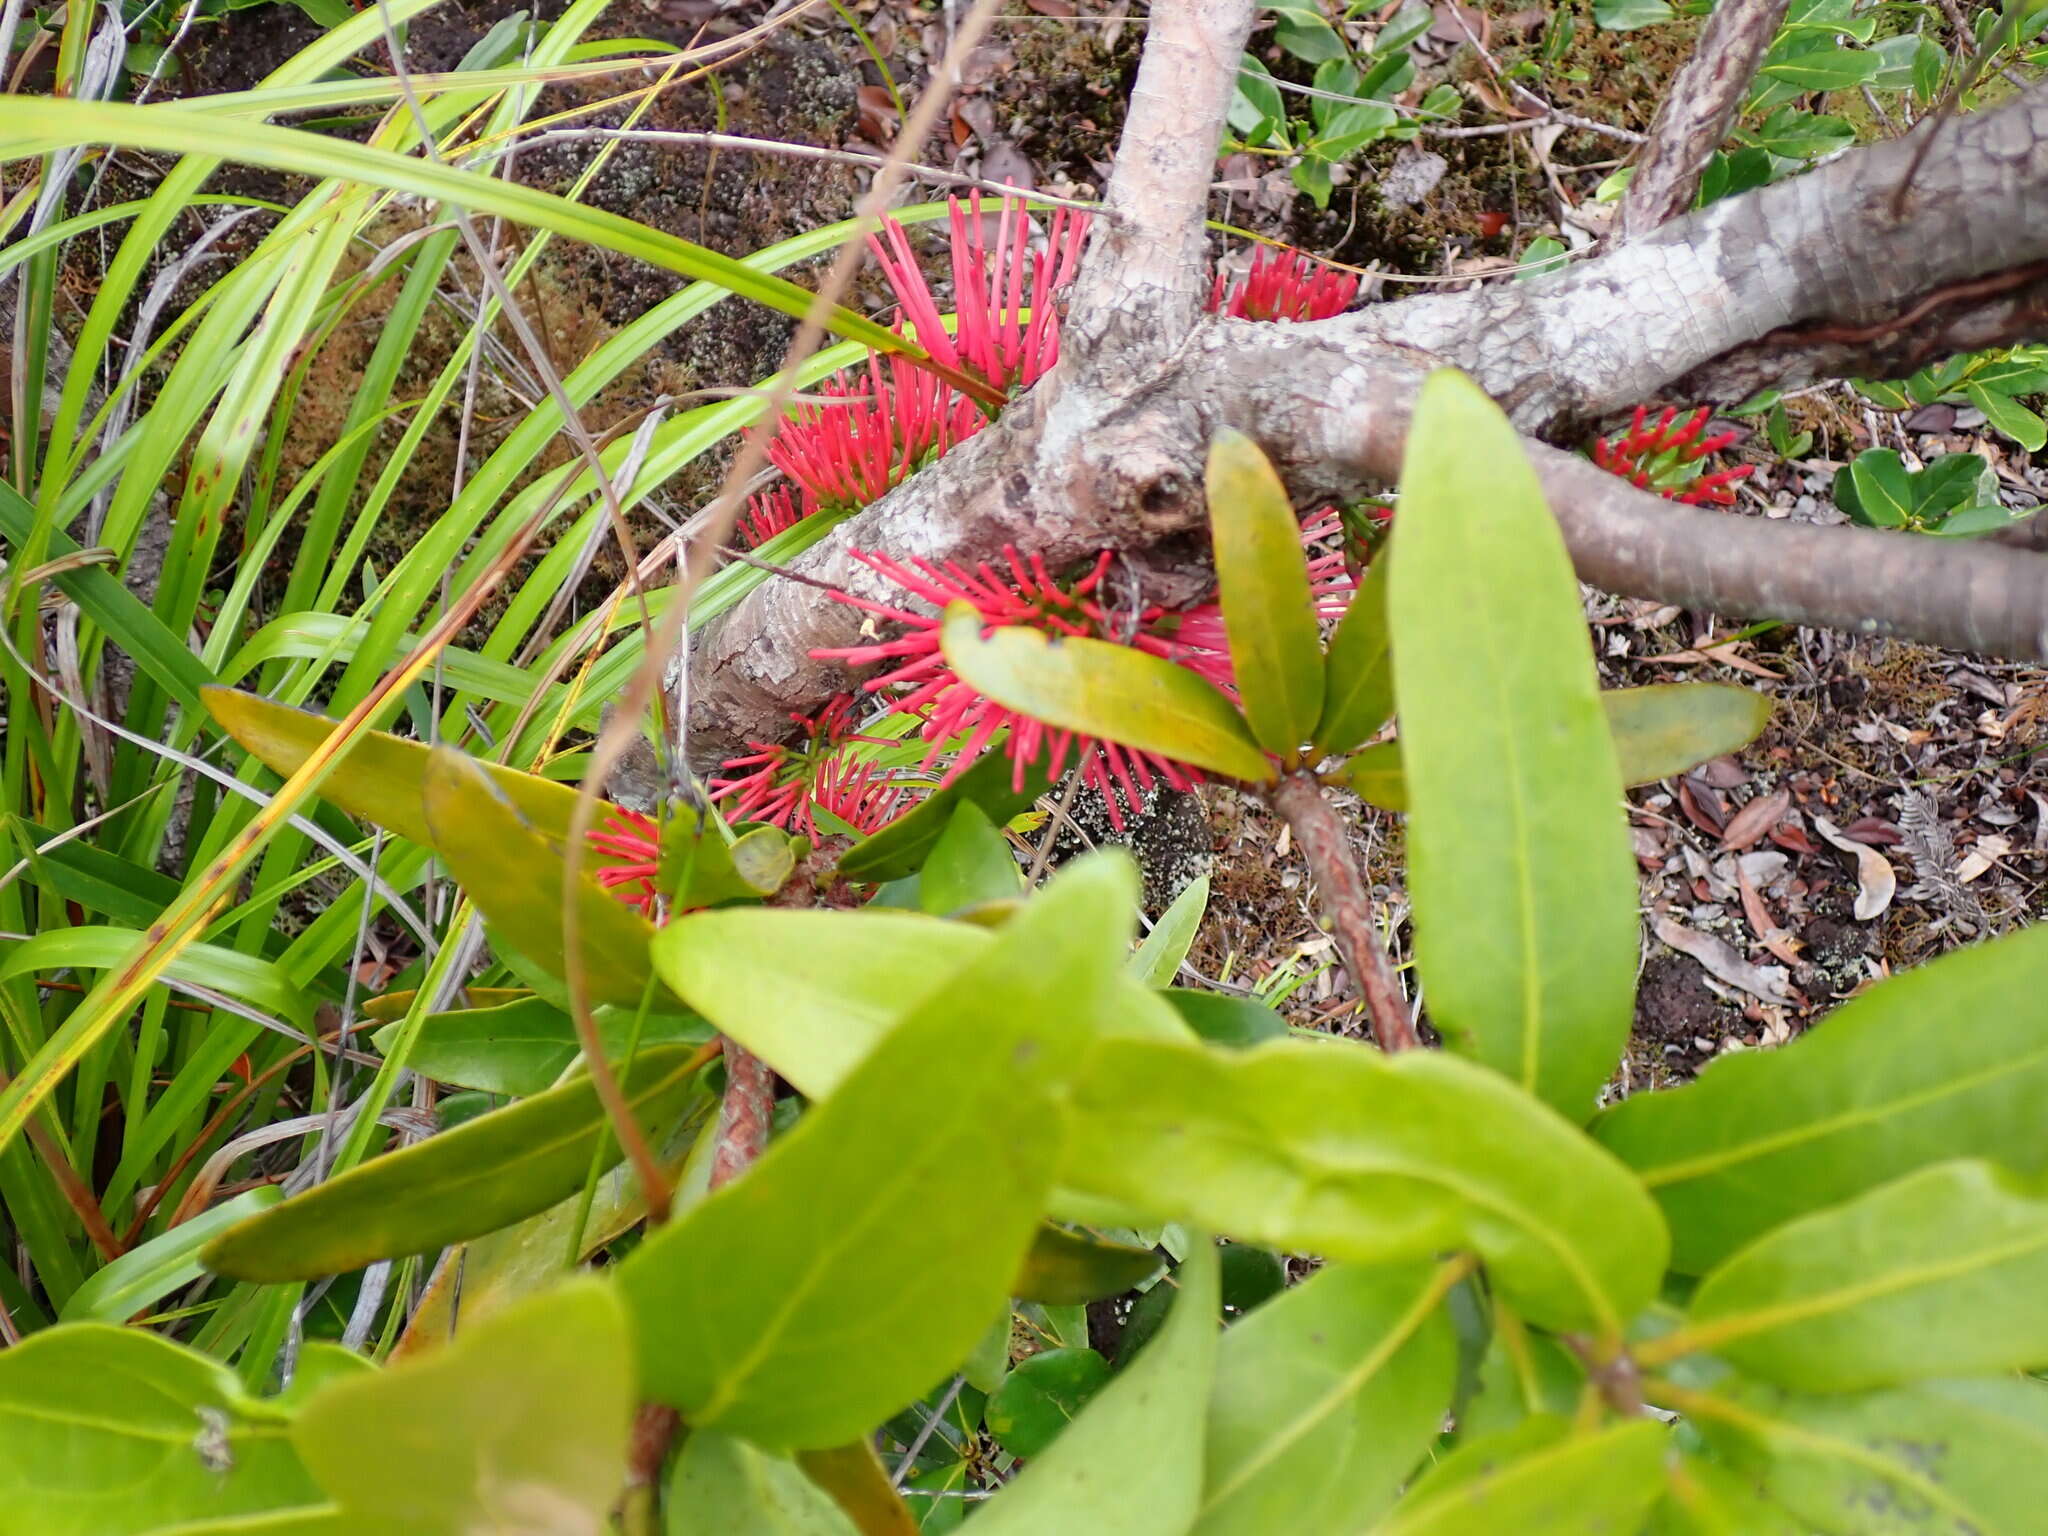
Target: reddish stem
[
  {"x": 1325, "y": 842},
  {"x": 742, "y": 1115}
]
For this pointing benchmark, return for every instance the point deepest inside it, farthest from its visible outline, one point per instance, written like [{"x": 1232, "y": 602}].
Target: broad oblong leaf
[
  {"x": 484, "y": 1174},
  {"x": 1659, "y": 732},
  {"x": 523, "y": 1047},
  {"x": 1131, "y": 1463},
  {"x": 1334, "y": 1149},
  {"x": 1539, "y": 1479},
  {"x": 1069, "y": 1269},
  {"x": 109, "y": 1431},
  {"x": 1109, "y": 691},
  {"x": 1159, "y": 958},
  {"x": 1947, "y": 1456},
  {"x": 383, "y": 777},
  {"x": 1325, "y": 1399},
  {"x": 1948, "y": 1060},
  {"x": 971, "y": 863},
  {"x": 1358, "y": 691},
  {"x": 517, "y": 879},
  {"x": 519, "y": 1423},
  {"x": 1943, "y": 1273},
  {"x": 747, "y": 1491},
  {"x": 1519, "y": 862},
  {"x": 1269, "y": 615},
  {"x": 863, "y": 1256}
]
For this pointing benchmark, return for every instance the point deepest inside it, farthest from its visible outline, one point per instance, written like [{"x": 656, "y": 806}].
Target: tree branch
[{"x": 1695, "y": 115}]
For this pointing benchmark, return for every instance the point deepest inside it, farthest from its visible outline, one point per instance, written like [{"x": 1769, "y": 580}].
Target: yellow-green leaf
[
  {"x": 1276, "y": 649},
  {"x": 1519, "y": 864},
  {"x": 1068, "y": 1269},
  {"x": 1109, "y": 691},
  {"x": 1358, "y": 695}
]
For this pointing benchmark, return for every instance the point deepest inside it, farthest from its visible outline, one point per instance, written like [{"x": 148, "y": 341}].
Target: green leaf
[
  {"x": 1041, "y": 1396},
  {"x": 1070, "y": 1269},
  {"x": 900, "y": 849},
  {"x": 1539, "y": 1479},
  {"x": 1359, "y": 694},
  {"x": 522, "y": 1048},
  {"x": 1707, "y": 1498},
  {"x": 1257, "y": 99},
  {"x": 701, "y": 869},
  {"x": 1948, "y": 1060},
  {"x": 2008, "y": 417},
  {"x": 1269, "y": 613},
  {"x": 96, "y": 879},
  {"x": 1109, "y": 691},
  {"x": 1221, "y": 1019},
  {"x": 520, "y": 1423},
  {"x": 840, "y": 979},
  {"x": 1131, "y": 1465},
  {"x": 1879, "y": 490},
  {"x": 746, "y": 1491},
  {"x": 1303, "y": 32},
  {"x": 1333, "y": 1149},
  {"x": 1949, "y": 1456},
  {"x": 121, "y": 616},
  {"x": 854, "y": 1477},
  {"x": 1539, "y": 259},
  {"x": 1824, "y": 69},
  {"x": 1943, "y": 1273},
  {"x": 486, "y": 1173},
  {"x": 970, "y": 864},
  {"x": 1325, "y": 1399},
  {"x": 144, "y": 1275},
  {"x": 1630, "y": 15},
  {"x": 382, "y": 778},
  {"x": 1159, "y": 958},
  {"x": 110, "y": 1431},
  {"x": 863, "y": 1256},
  {"x": 517, "y": 878},
  {"x": 1519, "y": 864}
]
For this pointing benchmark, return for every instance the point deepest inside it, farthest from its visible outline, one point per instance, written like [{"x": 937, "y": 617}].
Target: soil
[{"x": 1931, "y": 759}]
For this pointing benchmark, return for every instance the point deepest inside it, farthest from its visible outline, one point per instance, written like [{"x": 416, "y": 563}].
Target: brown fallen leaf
[
  {"x": 1777, "y": 940},
  {"x": 1876, "y": 880},
  {"x": 1748, "y": 825},
  {"x": 1719, "y": 959}
]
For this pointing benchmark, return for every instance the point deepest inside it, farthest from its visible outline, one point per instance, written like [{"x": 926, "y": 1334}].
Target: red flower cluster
[
  {"x": 1663, "y": 457},
  {"x": 1283, "y": 285},
  {"x": 784, "y": 783},
  {"x": 631, "y": 844}
]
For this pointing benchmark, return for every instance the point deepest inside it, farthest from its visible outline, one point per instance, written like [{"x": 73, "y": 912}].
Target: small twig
[
  {"x": 1324, "y": 842},
  {"x": 1053, "y": 823},
  {"x": 1697, "y": 112},
  {"x": 808, "y": 152},
  {"x": 743, "y": 1114}
]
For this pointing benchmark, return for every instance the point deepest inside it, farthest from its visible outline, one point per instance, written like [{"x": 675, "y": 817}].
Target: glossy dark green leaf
[
  {"x": 1943, "y": 1273},
  {"x": 515, "y": 876},
  {"x": 1109, "y": 691},
  {"x": 1334, "y": 1149},
  {"x": 109, "y": 1431},
  {"x": 971, "y": 863},
  {"x": 1325, "y": 1399},
  {"x": 1251, "y": 1276},
  {"x": 1358, "y": 697},
  {"x": 1041, "y": 1396},
  {"x": 484, "y": 1174},
  {"x": 1221, "y": 1019},
  {"x": 1948, "y": 1060},
  {"x": 1374, "y": 775},
  {"x": 145, "y": 1274},
  {"x": 1159, "y": 958},
  {"x": 1941, "y": 1456},
  {"x": 746, "y": 1492},
  {"x": 522, "y": 1048},
  {"x": 900, "y": 849},
  {"x": 1519, "y": 865},
  {"x": 520, "y": 1422},
  {"x": 1067, "y": 1269},
  {"x": 383, "y": 777},
  {"x": 926, "y": 1494},
  {"x": 1131, "y": 1464},
  {"x": 863, "y": 1256},
  {"x": 1539, "y": 1479},
  {"x": 2009, "y": 417},
  {"x": 1269, "y": 614}
]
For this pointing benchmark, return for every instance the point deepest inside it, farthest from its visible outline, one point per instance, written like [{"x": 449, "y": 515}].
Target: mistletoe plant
[{"x": 1798, "y": 1295}]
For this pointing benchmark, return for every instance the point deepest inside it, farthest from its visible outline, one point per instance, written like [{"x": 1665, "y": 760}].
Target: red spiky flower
[
  {"x": 1663, "y": 457},
  {"x": 1006, "y": 326},
  {"x": 1283, "y": 284},
  {"x": 631, "y": 845},
  {"x": 780, "y": 782},
  {"x": 767, "y": 515},
  {"x": 870, "y": 434}
]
